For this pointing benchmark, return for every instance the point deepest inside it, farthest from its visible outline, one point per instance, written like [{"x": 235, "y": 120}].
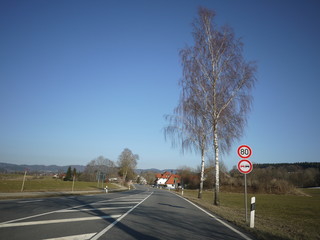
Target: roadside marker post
[
  {"x": 245, "y": 167},
  {"x": 74, "y": 176},
  {"x": 24, "y": 179},
  {"x": 252, "y": 211}
]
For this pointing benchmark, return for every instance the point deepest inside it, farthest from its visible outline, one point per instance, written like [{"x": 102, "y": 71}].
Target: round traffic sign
[
  {"x": 244, "y": 151},
  {"x": 244, "y": 166}
]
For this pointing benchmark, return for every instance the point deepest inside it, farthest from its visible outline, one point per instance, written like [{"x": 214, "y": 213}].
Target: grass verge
[
  {"x": 279, "y": 217},
  {"x": 46, "y": 184}
]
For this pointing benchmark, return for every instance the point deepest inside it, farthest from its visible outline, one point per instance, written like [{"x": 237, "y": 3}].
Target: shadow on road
[
  {"x": 119, "y": 225},
  {"x": 169, "y": 205}
]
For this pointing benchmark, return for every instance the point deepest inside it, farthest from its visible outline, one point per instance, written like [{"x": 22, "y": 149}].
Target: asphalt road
[{"x": 144, "y": 213}]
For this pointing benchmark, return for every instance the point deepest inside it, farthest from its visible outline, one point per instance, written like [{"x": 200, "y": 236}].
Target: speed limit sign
[{"x": 244, "y": 151}]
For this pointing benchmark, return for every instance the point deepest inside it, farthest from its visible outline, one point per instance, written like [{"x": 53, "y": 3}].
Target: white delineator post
[
  {"x": 24, "y": 179},
  {"x": 73, "y": 181},
  {"x": 252, "y": 211}
]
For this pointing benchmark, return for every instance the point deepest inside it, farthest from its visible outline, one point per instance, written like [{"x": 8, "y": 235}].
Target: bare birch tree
[
  {"x": 218, "y": 79},
  {"x": 188, "y": 128}
]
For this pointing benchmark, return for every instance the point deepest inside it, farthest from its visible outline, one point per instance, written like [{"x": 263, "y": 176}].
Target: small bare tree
[
  {"x": 98, "y": 165},
  {"x": 218, "y": 82},
  {"x": 127, "y": 162}
]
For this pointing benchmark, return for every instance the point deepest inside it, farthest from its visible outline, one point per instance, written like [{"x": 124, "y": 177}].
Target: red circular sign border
[
  {"x": 248, "y": 161},
  {"x": 246, "y": 147}
]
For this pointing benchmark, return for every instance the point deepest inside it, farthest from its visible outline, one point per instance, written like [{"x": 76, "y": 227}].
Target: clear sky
[{"x": 80, "y": 79}]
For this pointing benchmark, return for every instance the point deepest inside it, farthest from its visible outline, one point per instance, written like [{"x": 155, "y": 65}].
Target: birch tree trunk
[
  {"x": 217, "y": 171},
  {"x": 202, "y": 175}
]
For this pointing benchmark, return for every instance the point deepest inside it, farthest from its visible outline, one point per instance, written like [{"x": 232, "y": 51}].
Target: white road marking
[
  {"x": 131, "y": 199},
  {"x": 74, "y": 237},
  {"x": 19, "y": 224},
  {"x": 111, "y": 203},
  {"x": 98, "y": 235},
  {"x": 214, "y": 217},
  {"x": 117, "y": 218},
  {"x": 90, "y": 209},
  {"x": 46, "y": 213},
  {"x": 30, "y": 201}
]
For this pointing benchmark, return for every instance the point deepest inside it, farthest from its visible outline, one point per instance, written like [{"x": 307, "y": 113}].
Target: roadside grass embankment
[
  {"x": 279, "y": 217},
  {"x": 13, "y": 183}
]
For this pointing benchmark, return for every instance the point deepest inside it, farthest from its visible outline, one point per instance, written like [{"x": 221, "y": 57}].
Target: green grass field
[
  {"x": 13, "y": 183},
  {"x": 277, "y": 216}
]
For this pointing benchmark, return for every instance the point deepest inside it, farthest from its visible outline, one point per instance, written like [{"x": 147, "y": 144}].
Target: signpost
[{"x": 245, "y": 167}]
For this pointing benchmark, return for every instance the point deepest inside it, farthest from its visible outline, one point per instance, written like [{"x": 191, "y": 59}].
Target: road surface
[{"x": 144, "y": 213}]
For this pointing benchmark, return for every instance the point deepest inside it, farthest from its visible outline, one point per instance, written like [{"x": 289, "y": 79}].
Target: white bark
[
  {"x": 217, "y": 184},
  {"x": 202, "y": 175}
]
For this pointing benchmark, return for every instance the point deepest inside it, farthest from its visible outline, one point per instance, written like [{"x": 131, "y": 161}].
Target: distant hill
[
  {"x": 139, "y": 171},
  {"x": 8, "y": 168}
]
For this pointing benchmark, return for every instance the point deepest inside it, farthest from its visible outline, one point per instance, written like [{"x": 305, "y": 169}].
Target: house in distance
[{"x": 167, "y": 180}]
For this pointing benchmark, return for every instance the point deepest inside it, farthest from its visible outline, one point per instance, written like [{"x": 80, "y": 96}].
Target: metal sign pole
[
  {"x": 245, "y": 196},
  {"x": 245, "y": 166}
]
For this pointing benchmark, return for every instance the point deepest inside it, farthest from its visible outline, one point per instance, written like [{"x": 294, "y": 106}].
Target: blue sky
[{"x": 80, "y": 79}]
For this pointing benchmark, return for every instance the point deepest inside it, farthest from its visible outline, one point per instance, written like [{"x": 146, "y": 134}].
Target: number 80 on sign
[{"x": 244, "y": 151}]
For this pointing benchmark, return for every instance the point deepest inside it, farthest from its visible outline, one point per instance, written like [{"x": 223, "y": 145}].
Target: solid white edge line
[
  {"x": 217, "y": 219},
  {"x": 98, "y": 235},
  {"x": 73, "y": 237}
]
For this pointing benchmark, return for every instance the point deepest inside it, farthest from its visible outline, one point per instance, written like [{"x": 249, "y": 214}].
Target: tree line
[
  {"x": 102, "y": 168},
  {"x": 281, "y": 178}
]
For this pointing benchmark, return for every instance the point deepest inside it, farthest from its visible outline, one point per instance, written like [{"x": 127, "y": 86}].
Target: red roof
[
  {"x": 172, "y": 179},
  {"x": 158, "y": 175},
  {"x": 166, "y": 175},
  {"x": 163, "y": 175}
]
